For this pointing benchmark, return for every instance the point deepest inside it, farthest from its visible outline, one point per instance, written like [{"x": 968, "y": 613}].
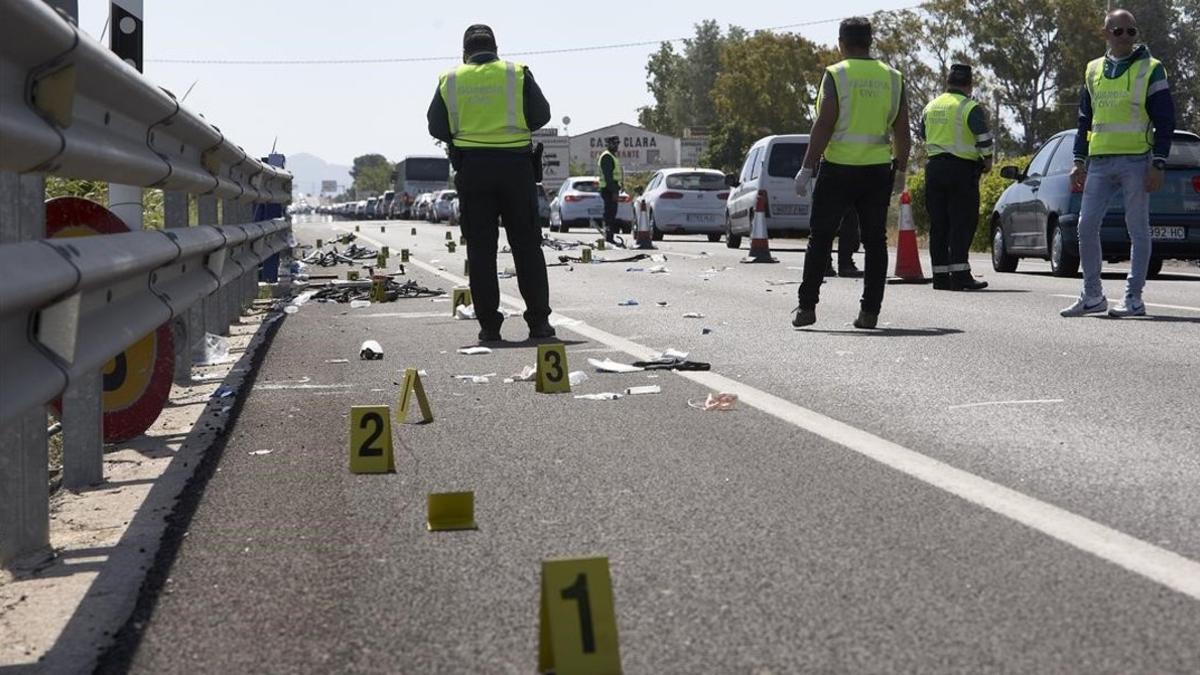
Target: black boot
[
  {"x": 849, "y": 270},
  {"x": 941, "y": 281},
  {"x": 963, "y": 281}
]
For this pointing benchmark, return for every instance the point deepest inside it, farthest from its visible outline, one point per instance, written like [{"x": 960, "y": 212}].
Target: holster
[{"x": 536, "y": 158}]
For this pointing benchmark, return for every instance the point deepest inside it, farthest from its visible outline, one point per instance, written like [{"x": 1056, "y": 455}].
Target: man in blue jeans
[{"x": 1125, "y": 94}]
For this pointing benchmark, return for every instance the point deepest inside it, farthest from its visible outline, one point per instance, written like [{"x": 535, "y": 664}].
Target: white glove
[{"x": 802, "y": 180}]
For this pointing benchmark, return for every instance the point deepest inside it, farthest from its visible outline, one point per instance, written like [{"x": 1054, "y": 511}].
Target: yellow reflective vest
[
  {"x": 486, "y": 105},
  {"x": 946, "y": 129},
  {"x": 1120, "y": 123},
  {"x": 618, "y": 172},
  {"x": 868, "y": 94}
]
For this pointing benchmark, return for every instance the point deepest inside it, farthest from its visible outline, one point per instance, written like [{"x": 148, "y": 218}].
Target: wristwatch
[{"x": 1159, "y": 163}]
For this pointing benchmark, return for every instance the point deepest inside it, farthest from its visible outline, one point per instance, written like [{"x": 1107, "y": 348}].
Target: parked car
[
  {"x": 454, "y": 207},
  {"x": 766, "y": 183},
  {"x": 1037, "y": 216},
  {"x": 360, "y": 209},
  {"x": 420, "y": 208},
  {"x": 439, "y": 205},
  {"x": 383, "y": 210},
  {"x": 372, "y": 205},
  {"x": 685, "y": 201},
  {"x": 578, "y": 204}
]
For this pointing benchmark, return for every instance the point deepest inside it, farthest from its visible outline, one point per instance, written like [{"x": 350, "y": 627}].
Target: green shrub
[{"x": 991, "y": 186}]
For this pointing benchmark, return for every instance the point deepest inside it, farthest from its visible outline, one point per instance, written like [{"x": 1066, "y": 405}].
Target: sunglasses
[{"x": 1122, "y": 31}]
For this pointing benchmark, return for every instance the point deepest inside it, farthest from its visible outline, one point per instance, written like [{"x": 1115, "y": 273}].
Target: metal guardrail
[{"x": 70, "y": 107}]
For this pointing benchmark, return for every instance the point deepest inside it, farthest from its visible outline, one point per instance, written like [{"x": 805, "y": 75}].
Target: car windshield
[
  {"x": 447, "y": 196},
  {"x": 786, "y": 159},
  {"x": 586, "y": 186},
  {"x": 706, "y": 182},
  {"x": 1185, "y": 153}
]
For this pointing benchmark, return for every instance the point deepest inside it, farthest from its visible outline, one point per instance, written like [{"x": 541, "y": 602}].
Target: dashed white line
[
  {"x": 1134, "y": 555},
  {"x": 1036, "y": 401}
]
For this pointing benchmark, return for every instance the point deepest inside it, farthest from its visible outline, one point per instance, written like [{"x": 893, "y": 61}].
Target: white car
[
  {"x": 767, "y": 183},
  {"x": 440, "y": 205},
  {"x": 685, "y": 201},
  {"x": 578, "y": 204},
  {"x": 420, "y": 207}
]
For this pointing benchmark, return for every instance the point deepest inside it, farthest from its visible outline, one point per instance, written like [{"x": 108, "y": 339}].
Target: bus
[{"x": 416, "y": 175}]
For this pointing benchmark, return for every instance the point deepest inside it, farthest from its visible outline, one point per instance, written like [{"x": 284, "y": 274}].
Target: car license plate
[
  {"x": 790, "y": 209},
  {"x": 1168, "y": 232},
  {"x": 701, "y": 218},
  {"x": 595, "y": 212}
]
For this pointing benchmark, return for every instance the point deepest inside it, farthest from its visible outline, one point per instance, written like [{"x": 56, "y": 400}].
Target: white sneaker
[
  {"x": 1085, "y": 305},
  {"x": 1131, "y": 307}
]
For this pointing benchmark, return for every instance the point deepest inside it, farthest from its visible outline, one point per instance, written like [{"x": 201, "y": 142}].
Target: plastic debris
[
  {"x": 607, "y": 396},
  {"x": 661, "y": 303},
  {"x": 693, "y": 315},
  {"x": 216, "y": 350},
  {"x": 464, "y": 312},
  {"x": 635, "y": 269},
  {"x": 645, "y": 389},
  {"x": 706, "y": 331},
  {"x": 337, "y": 361},
  {"x": 610, "y": 366},
  {"x": 527, "y": 374},
  {"x": 577, "y": 377},
  {"x": 291, "y": 309},
  {"x": 225, "y": 392},
  {"x": 472, "y": 351},
  {"x": 659, "y": 269},
  {"x": 359, "y": 304},
  {"x": 716, "y": 402},
  {"x": 260, "y": 452},
  {"x": 370, "y": 351},
  {"x": 475, "y": 379},
  {"x": 628, "y": 303}
]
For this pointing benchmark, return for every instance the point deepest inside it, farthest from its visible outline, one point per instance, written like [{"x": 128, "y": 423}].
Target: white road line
[
  {"x": 405, "y": 315},
  {"x": 990, "y": 403},
  {"x": 1148, "y": 304},
  {"x": 1134, "y": 555}
]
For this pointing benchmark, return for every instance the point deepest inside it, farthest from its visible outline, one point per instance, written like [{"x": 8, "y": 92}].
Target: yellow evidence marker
[
  {"x": 414, "y": 231},
  {"x": 403, "y": 255},
  {"x": 600, "y": 244},
  {"x": 552, "y": 373},
  {"x": 378, "y": 288},
  {"x": 578, "y": 633},
  {"x": 585, "y": 254},
  {"x": 356, "y": 228},
  {"x": 412, "y": 384},
  {"x": 381, "y": 261},
  {"x": 449, "y": 235},
  {"x": 383, "y": 228},
  {"x": 461, "y": 296},
  {"x": 451, "y": 511},
  {"x": 385, "y": 252},
  {"x": 450, "y": 246},
  {"x": 351, "y": 275},
  {"x": 371, "y": 439},
  {"x": 463, "y": 240}
]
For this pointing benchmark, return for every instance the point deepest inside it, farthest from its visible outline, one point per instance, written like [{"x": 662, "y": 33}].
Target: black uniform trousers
[
  {"x": 839, "y": 188},
  {"x": 610, "y": 197},
  {"x": 494, "y": 185},
  {"x": 952, "y": 200},
  {"x": 848, "y": 240}
]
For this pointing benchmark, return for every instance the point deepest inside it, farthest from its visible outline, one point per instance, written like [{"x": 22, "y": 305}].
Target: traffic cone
[
  {"x": 643, "y": 235},
  {"x": 760, "y": 245},
  {"x": 908, "y": 260}
]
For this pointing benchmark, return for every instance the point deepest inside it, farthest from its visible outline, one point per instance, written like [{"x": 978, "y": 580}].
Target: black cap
[
  {"x": 960, "y": 74},
  {"x": 479, "y": 38}
]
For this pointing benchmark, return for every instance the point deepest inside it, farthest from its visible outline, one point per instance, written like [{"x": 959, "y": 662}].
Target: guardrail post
[
  {"x": 231, "y": 214},
  {"x": 189, "y": 328},
  {"x": 206, "y": 209},
  {"x": 250, "y": 278},
  {"x": 24, "y": 461},
  {"x": 83, "y": 431}
]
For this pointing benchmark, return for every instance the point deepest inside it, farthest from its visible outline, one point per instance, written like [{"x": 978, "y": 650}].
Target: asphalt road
[{"x": 980, "y": 486}]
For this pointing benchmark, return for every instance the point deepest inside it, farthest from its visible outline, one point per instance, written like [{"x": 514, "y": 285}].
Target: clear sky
[{"x": 339, "y": 111}]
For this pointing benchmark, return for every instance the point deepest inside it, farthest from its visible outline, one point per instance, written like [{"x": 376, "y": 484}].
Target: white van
[{"x": 768, "y": 183}]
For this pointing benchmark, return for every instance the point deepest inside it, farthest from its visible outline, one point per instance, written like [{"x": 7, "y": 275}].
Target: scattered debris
[
  {"x": 466, "y": 312},
  {"x": 716, "y": 402},
  {"x": 577, "y": 377},
  {"x": 370, "y": 351},
  {"x": 527, "y": 374},
  {"x": 672, "y": 359},
  {"x": 628, "y": 303},
  {"x": 359, "y": 304},
  {"x": 659, "y": 269},
  {"x": 645, "y": 389},
  {"x": 260, "y": 452},
  {"x": 607, "y": 396},
  {"x": 693, "y": 315},
  {"x": 337, "y": 361},
  {"x": 349, "y": 291},
  {"x": 661, "y": 303},
  {"x": 610, "y": 366},
  {"x": 472, "y": 351},
  {"x": 475, "y": 379},
  {"x": 706, "y": 331},
  {"x": 216, "y": 350}
]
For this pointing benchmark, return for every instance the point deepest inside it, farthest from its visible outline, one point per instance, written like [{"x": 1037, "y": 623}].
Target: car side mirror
[
  {"x": 639, "y": 190},
  {"x": 1011, "y": 173},
  {"x": 731, "y": 180}
]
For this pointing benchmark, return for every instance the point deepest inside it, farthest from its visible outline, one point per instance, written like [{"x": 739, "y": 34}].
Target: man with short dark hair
[
  {"x": 862, "y": 116},
  {"x": 1125, "y": 94},
  {"x": 486, "y": 110},
  {"x": 955, "y": 130}
]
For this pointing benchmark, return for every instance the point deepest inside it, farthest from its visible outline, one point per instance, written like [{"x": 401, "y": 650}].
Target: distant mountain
[{"x": 309, "y": 170}]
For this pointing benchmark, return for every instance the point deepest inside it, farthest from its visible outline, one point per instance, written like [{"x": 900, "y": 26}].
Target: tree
[
  {"x": 767, "y": 85},
  {"x": 1171, "y": 29},
  {"x": 372, "y": 174},
  {"x": 682, "y": 83}
]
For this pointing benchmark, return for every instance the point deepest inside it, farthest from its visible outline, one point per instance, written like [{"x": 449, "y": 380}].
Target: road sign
[
  {"x": 371, "y": 439},
  {"x": 329, "y": 186},
  {"x": 578, "y": 634},
  {"x": 552, "y": 374},
  {"x": 137, "y": 382}
]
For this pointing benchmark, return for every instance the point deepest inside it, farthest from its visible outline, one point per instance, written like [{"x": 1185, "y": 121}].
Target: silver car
[{"x": 441, "y": 205}]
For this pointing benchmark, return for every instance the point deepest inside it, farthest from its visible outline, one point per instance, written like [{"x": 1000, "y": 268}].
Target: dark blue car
[{"x": 1036, "y": 216}]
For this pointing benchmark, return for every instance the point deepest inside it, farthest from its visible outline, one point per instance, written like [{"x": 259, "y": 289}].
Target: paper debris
[
  {"x": 527, "y": 374},
  {"x": 659, "y": 269},
  {"x": 693, "y": 315},
  {"x": 464, "y": 312},
  {"x": 646, "y": 389},
  {"x": 472, "y": 351},
  {"x": 610, "y": 366},
  {"x": 608, "y": 396},
  {"x": 716, "y": 402},
  {"x": 475, "y": 379},
  {"x": 337, "y": 360},
  {"x": 577, "y": 377},
  {"x": 260, "y": 452}
]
